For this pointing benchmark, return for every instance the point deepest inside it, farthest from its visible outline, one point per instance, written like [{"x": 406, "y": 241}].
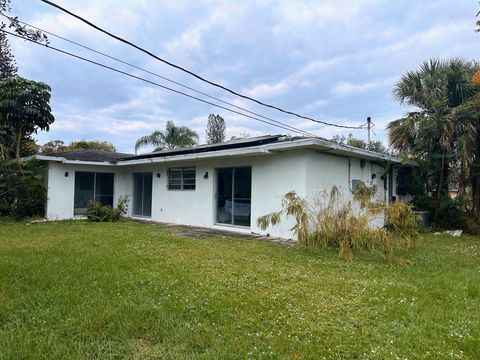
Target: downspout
[{"x": 350, "y": 176}]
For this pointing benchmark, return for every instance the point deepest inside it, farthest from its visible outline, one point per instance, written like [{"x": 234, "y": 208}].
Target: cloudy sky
[{"x": 333, "y": 60}]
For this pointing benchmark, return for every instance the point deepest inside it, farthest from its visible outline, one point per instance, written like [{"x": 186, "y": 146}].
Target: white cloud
[
  {"x": 315, "y": 105},
  {"x": 191, "y": 40},
  {"x": 347, "y": 89},
  {"x": 267, "y": 90},
  {"x": 306, "y": 14}
]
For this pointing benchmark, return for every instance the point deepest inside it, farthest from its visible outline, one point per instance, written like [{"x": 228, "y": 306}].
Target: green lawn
[{"x": 128, "y": 290}]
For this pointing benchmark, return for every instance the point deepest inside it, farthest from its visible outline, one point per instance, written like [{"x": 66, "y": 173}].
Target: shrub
[
  {"x": 347, "y": 225},
  {"x": 444, "y": 212},
  {"x": 22, "y": 188},
  {"x": 105, "y": 213}
]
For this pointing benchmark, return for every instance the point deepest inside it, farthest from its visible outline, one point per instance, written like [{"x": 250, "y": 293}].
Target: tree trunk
[
  {"x": 18, "y": 145},
  {"x": 475, "y": 177},
  {"x": 463, "y": 179},
  {"x": 442, "y": 189}
]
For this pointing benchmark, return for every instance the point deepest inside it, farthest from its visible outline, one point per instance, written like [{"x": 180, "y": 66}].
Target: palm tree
[
  {"x": 433, "y": 131},
  {"x": 468, "y": 146},
  {"x": 171, "y": 138}
]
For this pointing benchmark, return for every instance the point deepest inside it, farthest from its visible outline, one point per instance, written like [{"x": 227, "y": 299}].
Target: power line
[
  {"x": 191, "y": 72},
  {"x": 161, "y": 77},
  {"x": 282, "y": 126}
]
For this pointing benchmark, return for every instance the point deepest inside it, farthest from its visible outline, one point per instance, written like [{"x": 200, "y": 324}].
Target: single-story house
[{"x": 223, "y": 186}]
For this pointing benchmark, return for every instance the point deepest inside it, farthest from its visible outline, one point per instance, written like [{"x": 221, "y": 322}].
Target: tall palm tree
[
  {"x": 434, "y": 90},
  {"x": 171, "y": 138}
]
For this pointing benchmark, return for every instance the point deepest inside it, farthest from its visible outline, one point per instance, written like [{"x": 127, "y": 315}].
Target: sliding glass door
[
  {"x": 142, "y": 194},
  {"x": 92, "y": 186},
  {"x": 234, "y": 191}
]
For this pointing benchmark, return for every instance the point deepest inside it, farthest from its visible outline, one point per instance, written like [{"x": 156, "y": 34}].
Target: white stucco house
[{"x": 222, "y": 186}]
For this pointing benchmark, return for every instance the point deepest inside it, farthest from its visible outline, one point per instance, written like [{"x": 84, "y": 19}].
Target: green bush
[
  {"x": 22, "y": 188},
  {"x": 348, "y": 225},
  {"x": 105, "y": 213},
  {"x": 444, "y": 213}
]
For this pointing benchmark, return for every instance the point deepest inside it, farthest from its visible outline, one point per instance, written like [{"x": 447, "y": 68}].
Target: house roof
[
  {"x": 230, "y": 144},
  {"x": 261, "y": 145},
  {"x": 87, "y": 155}
]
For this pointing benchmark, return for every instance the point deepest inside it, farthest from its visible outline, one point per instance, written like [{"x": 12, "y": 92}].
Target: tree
[
  {"x": 468, "y": 146},
  {"x": 8, "y": 66},
  {"x": 244, "y": 134},
  {"x": 376, "y": 146},
  {"x": 14, "y": 25},
  {"x": 90, "y": 145},
  {"x": 431, "y": 133},
  {"x": 52, "y": 146},
  {"x": 216, "y": 129},
  {"x": 171, "y": 138},
  {"x": 478, "y": 23},
  {"x": 59, "y": 146},
  {"x": 24, "y": 109}
]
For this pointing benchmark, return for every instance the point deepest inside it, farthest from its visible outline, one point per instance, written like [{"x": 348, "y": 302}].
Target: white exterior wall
[
  {"x": 325, "y": 170},
  {"x": 273, "y": 175},
  {"x": 61, "y": 188}
]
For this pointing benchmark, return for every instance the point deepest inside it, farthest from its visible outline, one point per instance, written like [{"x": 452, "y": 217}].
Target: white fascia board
[
  {"x": 339, "y": 149},
  {"x": 48, "y": 158},
  {"x": 72, "y": 162}
]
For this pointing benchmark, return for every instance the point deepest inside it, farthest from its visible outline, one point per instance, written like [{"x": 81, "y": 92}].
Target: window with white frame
[{"x": 181, "y": 178}]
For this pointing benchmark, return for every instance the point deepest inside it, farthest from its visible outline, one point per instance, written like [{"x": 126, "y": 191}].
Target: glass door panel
[
  {"x": 242, "y": 186},
  {"x": 142, "y": 194},
  {"x": 224, "y": 196},
  {"x": 234, "y": 187},
  {"x": 104, "y": 188},
  {"x": 147, "y": 195},
  {"x": 84, "y": 191}
]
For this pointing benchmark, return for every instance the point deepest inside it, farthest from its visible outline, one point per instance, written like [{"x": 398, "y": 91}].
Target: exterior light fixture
[
  {"x": 66, "y": 173},
  {"x": 158, "y": 175},
  {"x": 206, "y": 175}
]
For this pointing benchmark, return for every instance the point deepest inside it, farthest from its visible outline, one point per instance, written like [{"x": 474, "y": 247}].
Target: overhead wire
[
  {"x": 199, "y": 77},
  {"x": 278, "y": 124},
  {"x": 161, "y": 77}
]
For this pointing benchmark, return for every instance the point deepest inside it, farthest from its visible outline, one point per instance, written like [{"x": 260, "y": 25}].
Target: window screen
[
  {"x": 92, "y": 186},
  {"x": 182, "y": 178}
]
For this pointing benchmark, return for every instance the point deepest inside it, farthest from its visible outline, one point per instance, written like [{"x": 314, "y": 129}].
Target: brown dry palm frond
[{"x": 347, "y": 225}]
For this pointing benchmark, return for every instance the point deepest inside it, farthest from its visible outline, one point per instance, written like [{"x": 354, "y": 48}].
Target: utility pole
[{"x": 369, "y": 129}]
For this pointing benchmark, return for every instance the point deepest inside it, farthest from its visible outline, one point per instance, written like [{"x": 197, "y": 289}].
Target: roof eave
[{"x": 72, "y": 162}]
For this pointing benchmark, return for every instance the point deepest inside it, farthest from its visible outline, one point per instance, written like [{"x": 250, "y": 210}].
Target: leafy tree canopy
[
  {"x": 59, "y": 145},
  {"x": 432, "y": 133},
  {"x": 24, "y": 109},
  {"x": 376, "y": 146},
  {"x": 91, "y": 145}
]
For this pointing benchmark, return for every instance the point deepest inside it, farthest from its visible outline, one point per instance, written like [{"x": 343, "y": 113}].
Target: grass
[{"x": 83, "y": 290}]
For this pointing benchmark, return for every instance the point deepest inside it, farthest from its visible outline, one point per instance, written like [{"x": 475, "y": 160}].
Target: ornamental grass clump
[{"x": 348, "y": 225}]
